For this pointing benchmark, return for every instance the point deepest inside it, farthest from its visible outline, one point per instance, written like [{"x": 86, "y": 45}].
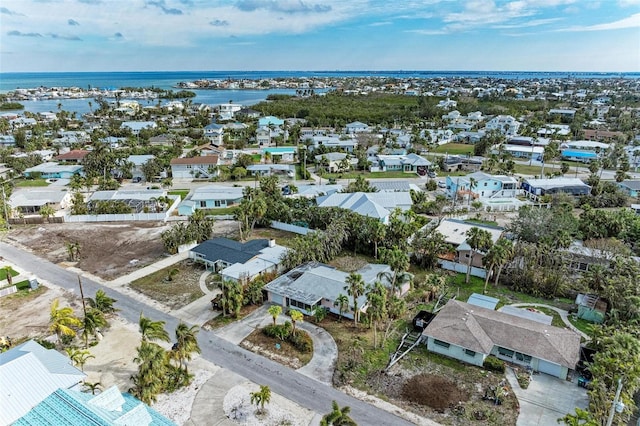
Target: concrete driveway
[{"x": 546, "y": 399}]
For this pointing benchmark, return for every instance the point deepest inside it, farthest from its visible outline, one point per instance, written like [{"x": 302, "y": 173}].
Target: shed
[{"x": 591, "y": 308}]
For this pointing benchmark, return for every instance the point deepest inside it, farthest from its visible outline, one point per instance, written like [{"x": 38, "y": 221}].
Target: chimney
[{"x": 272, "y": 243}]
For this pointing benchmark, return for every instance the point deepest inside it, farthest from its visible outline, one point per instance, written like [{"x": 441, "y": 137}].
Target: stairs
[{"x": 409, "y": 341}]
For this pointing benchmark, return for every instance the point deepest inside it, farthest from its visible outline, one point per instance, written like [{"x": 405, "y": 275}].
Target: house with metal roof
[
  {"x": 136, "y": 126},
  {"x": 378, "y": 205},
  {"x": 534, "y": 188},
  {"x": 31, "y": 200},
  {"x": 51, "y": 170},
  {"x": 410, "y": 163},
  {"x": 288, "y": 170},
  {"x": 470, "y": 333},
  {"x": 194, "y": 167},
  {"x": 74, "y": 408},
  {"x": 29, "y": 373},
  {"x": 631, "y": 187},
  {"x": 356, "y": 127},
  {"x": 315, "y": 285},
  {"x": 484, "y": 186},
  {"x": 211, "y": 197},
  {"x": 239, "y": 261}
]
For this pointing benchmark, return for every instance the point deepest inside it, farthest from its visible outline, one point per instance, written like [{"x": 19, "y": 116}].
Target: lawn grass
[
  {"x": 525, "y": 169},
  {"x": 28, "y": 183},
  {"x": 283, "y": 238},
  {"x": 581, "y": 324},
  {"x": 221, "y": 321},
  {"x": 181, "y": 192},
  {"x": 220, "y": 211},
  {"x": 483, "y": 222},
  {"x": 3, "y": 273},
  {"x": 556, "y": 319},
  {"x": 454, "y": 149},
  {"x": 183, "y": 289}
]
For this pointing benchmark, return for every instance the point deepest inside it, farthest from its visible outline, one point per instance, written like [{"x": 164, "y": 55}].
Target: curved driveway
[{"x": 297, "y": 387}]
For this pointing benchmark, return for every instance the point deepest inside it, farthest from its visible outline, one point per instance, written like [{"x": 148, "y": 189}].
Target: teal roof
[
  {"x": 66, "y": 407},
  {"x": 280, "y": 150}
]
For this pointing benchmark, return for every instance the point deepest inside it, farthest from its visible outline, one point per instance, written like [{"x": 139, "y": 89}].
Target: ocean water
[{"x": 169, "y": 79}]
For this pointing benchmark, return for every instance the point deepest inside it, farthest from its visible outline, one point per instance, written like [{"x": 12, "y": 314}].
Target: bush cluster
[
  {"x": 300, "y": 340},
  {"x": 492, "y": 363}
]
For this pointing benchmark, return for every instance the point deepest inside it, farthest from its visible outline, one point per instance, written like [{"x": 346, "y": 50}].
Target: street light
[{"x": 617, "y": 406}]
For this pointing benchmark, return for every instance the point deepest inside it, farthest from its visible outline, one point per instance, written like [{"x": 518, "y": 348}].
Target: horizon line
[{"x": 332, "y": 70}]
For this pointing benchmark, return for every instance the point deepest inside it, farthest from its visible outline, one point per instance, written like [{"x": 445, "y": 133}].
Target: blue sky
[{"x": 158, "y": 35}]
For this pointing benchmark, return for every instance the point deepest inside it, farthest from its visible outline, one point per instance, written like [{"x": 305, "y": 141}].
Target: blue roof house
[
  {"x": 53, "y": 171},
  {"x": 485, "y": 186},
  {"x": 266, "y": 121}
]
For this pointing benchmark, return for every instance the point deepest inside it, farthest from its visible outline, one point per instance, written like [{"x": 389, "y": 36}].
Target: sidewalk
[
  {"x": 564, "y": 315},
  {"x": 149, "y": 269}
]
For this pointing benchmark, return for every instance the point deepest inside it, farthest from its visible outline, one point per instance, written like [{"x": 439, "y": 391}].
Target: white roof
[
  {"x": 268, "y": 257},
  {"x": 30, "y": 373},
  {"x": 36, "y": 197},
  {"x": 585, "y": 144},
  {"x": 558, "y": 182},
  {"x": 123, "y": 194},
  {"x": 312, "y": 191},
  {"x": 51, "y": 167},
  {"x": 373, "y": 204},
  {"x": 217, "y": 193},
  {"x": 455, "y": 230}
]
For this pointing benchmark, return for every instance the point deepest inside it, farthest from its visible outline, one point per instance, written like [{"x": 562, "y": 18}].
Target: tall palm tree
[
  {"x": 342, "y": 302},
  {"x": 62, "y": 321},
  {"x": 152, "y": 330},
  {"x": 338, "y": 416},
  {"x": 378, "y": 233},
  {"x": 152, "y": 368},
  {"x": 507, "y": 250},
  {"x": 296, "y": 316},
  {"x": 377, "y": 308},
  {"x": 355, "y": 288},
  {"x": 472, "y": 185},
  {"x": 103, "y": 303},
  {"x": 479, "y": 240},
  {"x": 398, "y": 261},
  {"x": 490, "y": 262},
  {"x": 92, "y": 322},
  {"x": 186, "y": 344},
  {"x": 275, "y": 311},
  {"x": 261, "y": 397}
]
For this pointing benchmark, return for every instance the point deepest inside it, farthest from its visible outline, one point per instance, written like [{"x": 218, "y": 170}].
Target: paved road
[{"x": 303, "y": 390}]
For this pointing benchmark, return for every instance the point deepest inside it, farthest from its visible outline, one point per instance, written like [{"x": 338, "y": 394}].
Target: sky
[{"x": 314, "y": 35}]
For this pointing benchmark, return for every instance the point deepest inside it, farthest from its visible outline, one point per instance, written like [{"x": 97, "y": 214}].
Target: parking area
[{"x": 547, "y": 399}]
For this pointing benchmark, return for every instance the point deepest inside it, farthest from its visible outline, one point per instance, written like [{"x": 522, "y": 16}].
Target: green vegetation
[
  {"x": 454, "y": 149},
  {"x": 492, "y": 363},
  {"x": 581, "y": 324},
  {"x": 7, "y": 106},
  {"x": 26, "y": 183},
  {"x": 556, "y": 319},
  {"x": 181, "y": 192},
  {"x": 3, "y": 273}
]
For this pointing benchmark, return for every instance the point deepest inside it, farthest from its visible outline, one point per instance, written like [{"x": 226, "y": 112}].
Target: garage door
[{"x": 549, "y": 368}]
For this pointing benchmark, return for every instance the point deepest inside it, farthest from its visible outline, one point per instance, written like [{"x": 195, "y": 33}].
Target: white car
[{"x": 441, "y": 184}]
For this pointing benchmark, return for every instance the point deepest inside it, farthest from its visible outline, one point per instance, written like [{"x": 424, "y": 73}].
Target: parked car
[
  {"x": 441, "y": 184},
  {"x": 136, "y": 179},
  {"x": 432, "y": 174}
]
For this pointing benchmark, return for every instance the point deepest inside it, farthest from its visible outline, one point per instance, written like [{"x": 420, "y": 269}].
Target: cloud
[
  {"x": 379, "y": 24},
  {"x": 632, "y": 21},
  {"x": 91, "y": 1},
  {"x": 628, "y": 3},
  {"x": 6, "y": 11},
  {"x": 73, "y": 22},
  {"x": 532, "y": 23},
  {"x": 219, "y": 23},
  {"x": 20, "y": 34},
  {"x": 64, "y": 37},
  {"x": 284, "y": 6},
  {"x": 161, "y": 5}
]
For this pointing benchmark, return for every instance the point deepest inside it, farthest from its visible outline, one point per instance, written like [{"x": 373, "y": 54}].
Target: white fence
[
  {"x": 459, "y": 267},
  {"x": 9, "y": 290},
  {"x": 290, "y": 228},
  {"x": 127, "y": 217}
]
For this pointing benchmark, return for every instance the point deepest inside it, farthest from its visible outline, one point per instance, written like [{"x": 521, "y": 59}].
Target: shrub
[
  {"x": 492, "y": 363},
  {"x": 279, "y": 331},
  {"x": 301, "y": 341}
]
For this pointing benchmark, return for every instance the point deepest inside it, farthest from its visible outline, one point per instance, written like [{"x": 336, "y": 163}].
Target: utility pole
[{"x": 614, "y": 406}]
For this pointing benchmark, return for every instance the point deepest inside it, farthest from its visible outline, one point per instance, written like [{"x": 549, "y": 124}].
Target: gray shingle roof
[{"x": 230, "y": 251}]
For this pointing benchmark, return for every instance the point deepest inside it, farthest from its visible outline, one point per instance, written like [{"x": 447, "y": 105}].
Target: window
[
  {"x": 441, "y": 343},
  {"x": 505, "y": 352},
  {"x": 216, "y": 203},
  {"x": 469, "y": 352},
  {"x": 203, "y": 204},
  {"x": 485, "y": 184},
  {"x": 523, "y": 357}
]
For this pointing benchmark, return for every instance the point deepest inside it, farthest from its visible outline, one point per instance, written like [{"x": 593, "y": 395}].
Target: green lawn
[
  {"x": 483, "y": 222},
  {"x": 23, "y": 183},
  {"x": 220, "y": 211},
  {"x": 582, "y": 325},
  {"x": 181, "y": 192},
  {"x": 3, "y": 273},
  {"x": 454, "y": 149}
]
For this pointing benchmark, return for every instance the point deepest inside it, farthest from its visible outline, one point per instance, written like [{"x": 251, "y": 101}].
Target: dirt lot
[{"x": 106, "y": 250}]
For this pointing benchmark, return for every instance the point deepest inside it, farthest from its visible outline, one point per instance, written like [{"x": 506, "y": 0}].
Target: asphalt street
[{"x": 305, "y": 391}]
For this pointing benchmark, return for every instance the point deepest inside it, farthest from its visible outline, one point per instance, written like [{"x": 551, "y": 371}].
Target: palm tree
[
  {"x": 186, "y": 344},
  {"x": 102, "y": 302},
  {"x": 378, "y": 232},
  {"x": 152, "y": 330},
  {"x": 63, "y": 321},
  {"x": 261, "y": 397},
  {"x": 8, "y": 270},
  {"x": 398, "y": 261},
  {"x": 490, "y": 261},
  {"x": 275, "y": 311},
  {"x": 296, "y": 316},
  {"x": 79, "y": 357},
  {"x": 92, "y": 386},
  {"x": 478, "y": 240},
  {"x": 472, "y": 185},
  {"x": 508, "y": 250},
  {"x": 338, "y": 416},
  {"x": 355, "y": 288},
  {"x": 172, "y": 273},
  {"x": 152, "y": 368},
  {"x": 92, "y": 322},
  {"x": 342, "y": 302},
  {"x": 377, "y": 308}
]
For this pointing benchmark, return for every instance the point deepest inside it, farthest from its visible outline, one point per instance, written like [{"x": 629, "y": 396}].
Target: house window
[
  {"x": 523, "y": 358},
  {"x": 505, "y": 352},
  {"x": 469, "y": 352},
  {"x": 216, "y": 203},
  {"x": 441, "y": 343},
  {"x": 485, "y": 184},
  {"x": 203, "y": 204}
]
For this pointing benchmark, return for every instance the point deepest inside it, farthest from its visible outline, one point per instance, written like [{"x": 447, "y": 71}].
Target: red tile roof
[{"x": 76, "y": 154}]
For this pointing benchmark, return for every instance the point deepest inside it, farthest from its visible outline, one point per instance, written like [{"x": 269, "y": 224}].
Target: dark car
[
  {"x": 136, "y": 179},
  {"x": 216, "y": 302}
]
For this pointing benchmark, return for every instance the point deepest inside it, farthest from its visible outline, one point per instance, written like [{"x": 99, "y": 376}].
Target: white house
[
  {"x": 194, "y": 167},
  {"x": 378, "y": 205},
  {"x": 136, "y": 126},
  {"x": 228, "y": 111},
  {"x": 505, "y": 124},
  {"x": 214, "y": 132}
]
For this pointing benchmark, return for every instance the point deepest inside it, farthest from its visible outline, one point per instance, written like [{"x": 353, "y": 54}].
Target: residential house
[
  {"x": 282, "y": 154},
  {"x": 29, "y": 373},
  {"x": 532, "y": 152},
  {"x": 247, "y": 113},
  {"x": 554, "y": 131},
  {"x": 505, "y": 124},
  {"x": 194, "y": 167},
  {"x": 75, "y": 156},
  {"x": 602, "y": 135},
  {"x": 565, "y": 114},
  {"x": 447, "y": 104},
  {"x": 140, "y": 200},
  {"x": 535, "y": 188},
  {"x": 7, "y": 141},
  {"x": 214, "y": 132},
  {"x": 136, "y": 126},
  {"x": 438, "y": 136},
  {"x": 378, "y": 205},
  {"x": 313, "y": 191},
  {"x": 51, "y": 170},
  {"x": 635, "y": 208},
  {"x": 484, "y": 186},
  {"x": 455, "y": 232},
  {"x": 470, "y": 333},
  {"x": 228, "y": 111},
  {"x": 266, "y": 134},
  {"x": 30, "y": 200},
  {"x": 333, "y": 142},
  {"x": 631, "y": 187},
  {"x": 138, "y": 161},
  {"x": 110, "y": 407},
  {"x": 356, "y": 127},
  {"x": 161, "y": 140},
  {"x": 210, "y": 197},
  {"x": 410, "y": 163},
  {"x": 584, "y": 151},
  {"x": 288, "y": 170},
  {"x": 309, "y": 132},
  {"x": 316, "y": 285},
  {"x": 239, "y": 261},
  {"x": 393, "y": 185},
  {"x": 335, "y": 159}
]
